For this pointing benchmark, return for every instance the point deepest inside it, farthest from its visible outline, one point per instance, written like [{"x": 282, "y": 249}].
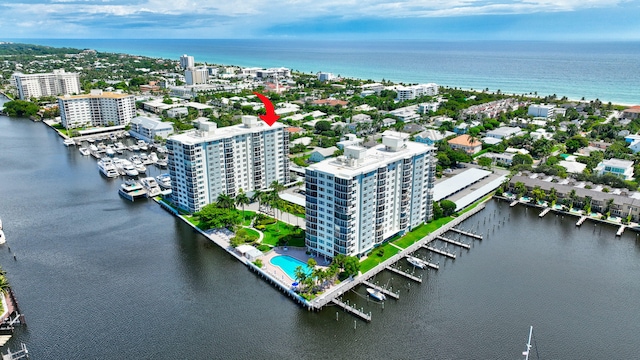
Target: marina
[{"x": 453, "y": 242}]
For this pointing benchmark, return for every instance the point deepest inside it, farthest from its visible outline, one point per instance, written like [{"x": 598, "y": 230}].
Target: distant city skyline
[{"x": 401, "y": 19}]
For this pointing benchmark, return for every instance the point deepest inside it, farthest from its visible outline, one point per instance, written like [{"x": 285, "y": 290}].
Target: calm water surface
[{"x": 99, "y": 277}]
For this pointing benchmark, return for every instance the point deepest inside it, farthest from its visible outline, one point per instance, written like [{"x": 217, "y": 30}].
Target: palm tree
[
  {"x": 225, "y": 201},
  {"x": 242, "y": 199},
  {"x": 257, "y": 196},
  {"x": 572, "y": 197},
  {"x": 4, "y": 284},
  {"x": 274, "y": 197}
]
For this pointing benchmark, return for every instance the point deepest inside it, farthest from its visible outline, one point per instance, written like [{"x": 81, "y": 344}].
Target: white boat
[
  {"x": 110, "y": 150},
  {"x": 84, "y": 151},
  {"x": 161, "y": 163},
  {"x": 376, "y": 294},
  {"x": 139, "y": 165},
  {"x": 91, "y": 140},
  {"x": 134, "y": 147},
  {"x": 131, "y": 190},
  {"x": 0, "y": 224},
  {"x": 142, "y": 145},
  {"x": 164, "y": 180},
  {"x": 93, "y": 148},
  {"x": 3, "y": 238},
  {"x": 108, "y": 168},
  {"x": 416, "y": 262},
  {"x": 528, "y": 350},
  {"x": 151, "y": 185},
  {"x": 68, "y": 142},
  {"x": 162, "y": 149},
  {"x": 153, "y": 157},
  {"x": 126, "y": 167}
]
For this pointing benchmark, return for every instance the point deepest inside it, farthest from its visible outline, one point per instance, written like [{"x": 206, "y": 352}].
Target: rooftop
[
  {"x": 464, "y": 140},
  {"x": 250, "y": 125},
  {"x": 369, "y": 159},
  {"x": 97, "y": 95}
]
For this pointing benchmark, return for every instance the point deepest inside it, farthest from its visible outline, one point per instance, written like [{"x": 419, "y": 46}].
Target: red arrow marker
[{"x": 271, "y": 117}]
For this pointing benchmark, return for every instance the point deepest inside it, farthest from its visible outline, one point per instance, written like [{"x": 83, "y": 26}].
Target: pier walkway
[
  {"x": 407, "y": 275},
  {"x": 382, "y": 290},
  {"x": 441, "y": 252},
  {"x": 351, "y": 309},
  {"x": 513, "y": 203},
  {"x": 581, "y": 220},
  {"x": 470, "y": 234},
  {"x": 544, "y": 212},
  {"x": 451, "y": 241}
]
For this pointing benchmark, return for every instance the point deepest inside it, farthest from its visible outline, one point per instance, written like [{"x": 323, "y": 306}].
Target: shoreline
[{"x": 231, "y": 59}]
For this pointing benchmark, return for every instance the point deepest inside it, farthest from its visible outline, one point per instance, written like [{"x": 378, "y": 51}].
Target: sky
[{"x": 581, "y": 20}]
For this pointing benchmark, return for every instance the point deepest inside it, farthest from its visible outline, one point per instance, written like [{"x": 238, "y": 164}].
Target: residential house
[
  {"x": 466, "y": 144},
  {"x": 322, "y": 153},
  {"x": 617, "y": 167},
  {"x": 431, "y": 136}
]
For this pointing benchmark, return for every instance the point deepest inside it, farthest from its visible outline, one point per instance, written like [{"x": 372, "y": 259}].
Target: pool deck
[{"x": 294, "y": 252}]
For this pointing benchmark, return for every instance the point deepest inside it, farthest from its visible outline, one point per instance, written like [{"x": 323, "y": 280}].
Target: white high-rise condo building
[
  {"x": 415, "y": 91},
  {"x": 55, "y": 83},
  {"x": 210, "y": 161},
  {"x": 194, "y": 76},
  {"x": 96, "y": 109},
  {"x": 186, "y": 62},
  {"x": 366, "y": 196}
]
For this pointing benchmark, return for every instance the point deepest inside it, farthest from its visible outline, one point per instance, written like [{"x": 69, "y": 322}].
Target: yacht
[
  {"x": 153, "y": 158},
  {"x": 416, "y": 262},
  {"x": 161, "y": 163},
  {"x": 162, "y": 149},
  {"x": 110, "y": 150},
  {"x": 131, "y": 190},
  {"x": 127, "y": 167},
  {"x": 91, "y": 140},
  {"x": 145, "y": 159},
  {"x": 134, "y": 147},
  {"x": 164, "y": 180},
  {"x": 108, "y": 168},
  {"x": 139, "y": 165},
  {"x": 142, "y": 145},
  {"x": 68, "y": 142},
  {"x": 3, "y": 239},
  {"x": 84, "y": 151},
  {"x": 93, "y": 148},
  {"x": 151, "y": 185}
]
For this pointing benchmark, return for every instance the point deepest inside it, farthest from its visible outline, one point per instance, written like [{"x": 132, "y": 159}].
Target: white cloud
[{"x": 243, "y": 15}]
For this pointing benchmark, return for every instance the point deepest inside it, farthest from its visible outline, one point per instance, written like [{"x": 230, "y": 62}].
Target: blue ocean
[{"x": 608, "y": 71}]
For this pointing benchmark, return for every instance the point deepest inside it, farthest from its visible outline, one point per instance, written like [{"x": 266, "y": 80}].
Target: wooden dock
[
  {"x": 354, "y": 311},
  {"x": 470, "y": 234},
  {"x": 441, "y": 252},
  {"x": 513, "y": 203},
  {"x": 451, "y": 241},
  {"x": 544, "y": 212},
  {"x": 382, "y": 290},
  {"x": 581, "y": 220},
  {"x": 407, "y": 275},
  {"x": 620, "y": 230}
]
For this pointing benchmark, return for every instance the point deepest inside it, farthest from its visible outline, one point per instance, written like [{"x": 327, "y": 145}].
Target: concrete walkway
[
  {"x": 260, "y": 233},
  {"x": 281, "y": 215}
]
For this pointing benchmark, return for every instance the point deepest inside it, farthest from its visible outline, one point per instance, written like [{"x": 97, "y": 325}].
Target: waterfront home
[
  {"x": 147, "y": 128},
  {"x": 466, "y": 143},
  {"x": 631, "y": 113},
  {"x": 618, "y": 201},
  {"x": 617, "y": 167}
]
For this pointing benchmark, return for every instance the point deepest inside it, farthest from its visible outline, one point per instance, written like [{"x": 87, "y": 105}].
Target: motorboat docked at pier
[
  {"x": 3, "y": 238},
  {"x": 164, "y": 180},
  {"x": 108, "y": 168},
  {"x": 142, "y": 145},
  {"x": 376, "y": 294},
  {"x": 125, "y": 167},
  {"x": 151, "y": 185},
  {"x": 69, "y": 142},
  {"x": 84, "y": 151},
  {"x": 420, "y": 264},
  {"x": 131, "y": 190}
]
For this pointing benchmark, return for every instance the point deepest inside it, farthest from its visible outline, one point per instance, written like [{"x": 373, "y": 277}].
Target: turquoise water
[
  {"x": 609, "y": 71},
  {"x": 289, "y": 265}
]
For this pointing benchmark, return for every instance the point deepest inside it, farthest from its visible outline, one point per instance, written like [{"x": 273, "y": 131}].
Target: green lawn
[
  {"x": 253, "y": 234},
  {"x": 247, "y": 215},
  {"x": 274, "y": 232},
  {"x": 373, "y": 259}
]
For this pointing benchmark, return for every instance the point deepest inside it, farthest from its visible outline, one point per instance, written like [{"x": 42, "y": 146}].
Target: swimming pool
[{"x": 289, "y": 265}]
